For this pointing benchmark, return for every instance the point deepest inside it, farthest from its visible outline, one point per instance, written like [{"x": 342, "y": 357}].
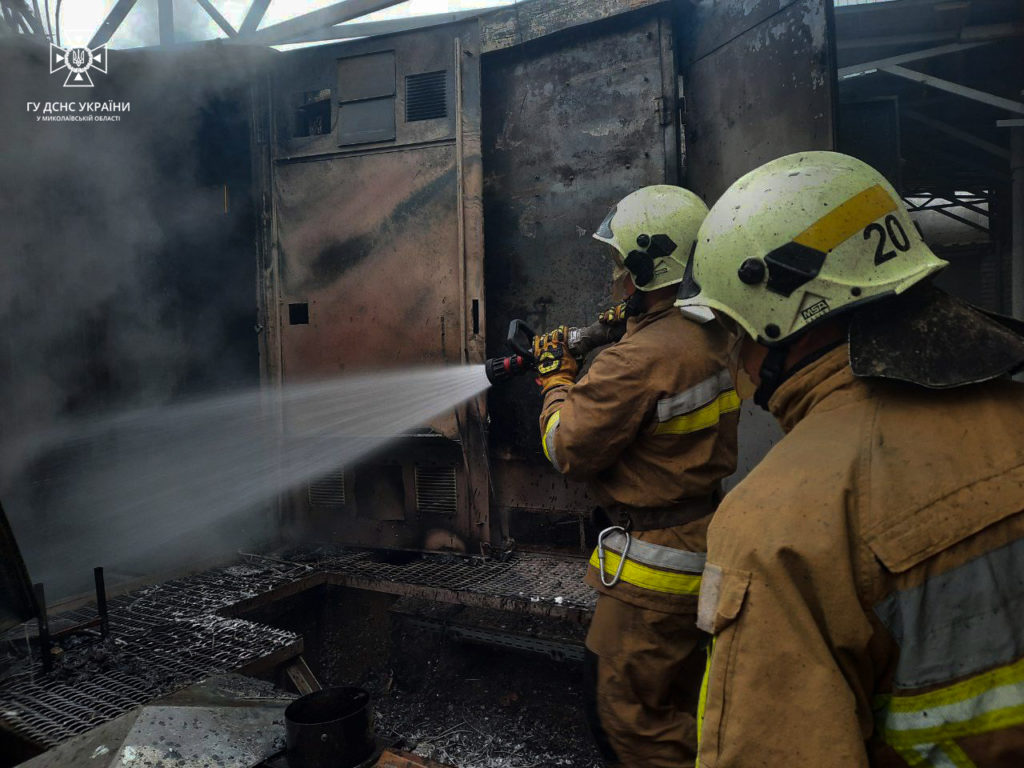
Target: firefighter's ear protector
[{"x": 641, "y": 263}]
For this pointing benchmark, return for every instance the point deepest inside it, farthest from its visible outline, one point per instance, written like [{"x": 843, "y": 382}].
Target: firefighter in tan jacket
[
  {"x": 652, "y": 428},
  {"x": 865, "y": 583}
]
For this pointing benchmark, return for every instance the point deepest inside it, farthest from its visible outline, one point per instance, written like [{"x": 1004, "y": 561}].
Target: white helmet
[
  {"x": 800, "y": 238},
  {"x": 652, "y": 232}
]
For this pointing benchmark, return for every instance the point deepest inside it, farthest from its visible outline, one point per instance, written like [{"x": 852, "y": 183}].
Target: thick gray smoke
[{"x": 125, "y": 281}]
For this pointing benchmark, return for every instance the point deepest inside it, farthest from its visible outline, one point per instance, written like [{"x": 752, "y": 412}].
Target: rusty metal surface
[
  {"x": 572, "y": 123},
  {"x": 313, "y": 70},
  {"x": 369, "y": 242},
  {"x": 379, "y": 245},
  {"x": 759, "y": 85},
  {"x": 507, "y": 27}
]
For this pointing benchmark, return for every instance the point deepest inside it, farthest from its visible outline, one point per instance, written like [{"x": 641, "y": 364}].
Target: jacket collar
[
  {"x": 826, "y": 383},
  {"x": 656, "y": 311}
]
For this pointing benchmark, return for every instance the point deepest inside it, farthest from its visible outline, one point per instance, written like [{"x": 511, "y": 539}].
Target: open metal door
[
  {"x": 759, "y": 82},
  {"x": 572, "y": 122}
]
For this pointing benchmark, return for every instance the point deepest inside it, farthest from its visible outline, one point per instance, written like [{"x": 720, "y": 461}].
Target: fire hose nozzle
[
  {"x": 581, "y": 342},
  {"x": 504, "y": 368}
]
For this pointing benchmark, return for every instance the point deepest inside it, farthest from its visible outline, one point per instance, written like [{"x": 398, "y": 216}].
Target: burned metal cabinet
[
  {"x": 572, "y": 121},
  {"x": 375, "y": 263},
  {"x": 758, "y": 83}
]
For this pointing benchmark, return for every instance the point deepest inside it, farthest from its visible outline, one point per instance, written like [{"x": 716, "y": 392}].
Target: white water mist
[{"x": 188, "y": 480}]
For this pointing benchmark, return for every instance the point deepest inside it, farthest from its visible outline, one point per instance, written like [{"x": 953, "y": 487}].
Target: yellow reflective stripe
[
  {"x": 987, "y": 702},
  {"x": 984, "y": 723},
  {"x": 702, "y": 418},
  {"x": 550, "y": 436},
  {"x": 702, "y": 700},
  {"x": 959, "y": 692},
  {"x": 945, "y": 755},
  {"x": 847, "y": 220},
  {"x": 645, "y": 577},
  {"x": 957, "y": 756}
]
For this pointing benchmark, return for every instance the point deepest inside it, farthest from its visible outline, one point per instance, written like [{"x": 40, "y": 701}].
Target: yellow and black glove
[
  {"x": 555, "y": 364},
  {"x": 614, "y": 316}
]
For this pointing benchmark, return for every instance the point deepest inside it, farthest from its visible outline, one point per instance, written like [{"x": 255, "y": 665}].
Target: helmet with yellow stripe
[{"x": 801, "y": 238}]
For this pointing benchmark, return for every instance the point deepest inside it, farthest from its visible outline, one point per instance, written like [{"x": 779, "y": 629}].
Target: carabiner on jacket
[{"x": 622, "y": 559}]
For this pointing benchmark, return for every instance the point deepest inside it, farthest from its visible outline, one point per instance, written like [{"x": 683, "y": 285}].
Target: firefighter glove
[
  {"x": 555, "y": 364},
  {"x": 613, "y": 316}
]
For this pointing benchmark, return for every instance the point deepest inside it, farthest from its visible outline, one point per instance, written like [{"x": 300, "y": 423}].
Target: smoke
[
  {"x": 123, "y": 282},
  {"x": 155, "y": 488}
]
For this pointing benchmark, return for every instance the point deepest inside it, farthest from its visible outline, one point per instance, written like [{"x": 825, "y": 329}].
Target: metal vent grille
[
  {"x": 435, "y": 490},
  {"x": 426, "y": 96},
  {"x": 328, "y": 490}
]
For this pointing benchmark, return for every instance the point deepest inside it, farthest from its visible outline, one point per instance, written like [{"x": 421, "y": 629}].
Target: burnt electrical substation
[{"x": 266, "y": 218}]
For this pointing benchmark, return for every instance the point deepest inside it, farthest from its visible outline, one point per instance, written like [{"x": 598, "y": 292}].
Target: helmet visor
[
  {"x": 688, "y": 288},
  {"x": 604, "y": 232}
]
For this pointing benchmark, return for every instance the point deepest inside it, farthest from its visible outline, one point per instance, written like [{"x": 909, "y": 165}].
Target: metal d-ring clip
[{"x": 622, "y": 559}]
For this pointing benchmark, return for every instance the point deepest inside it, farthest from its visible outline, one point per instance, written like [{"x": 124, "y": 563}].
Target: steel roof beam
[
  {"x": 868, "y": 67},
  {"x": 214, "y": 14},
  {"x": 253, "y": 16},
  {"x": 955, "y": 88},
  {"x": 113, "y": 21},
  {"x": 165, "y": 18},
  {"x": 384, "y": 27},
  {"x": 957, "y": 133},
  {"x": 966, "y": 35},
  {"x": 311, "y": 22}
]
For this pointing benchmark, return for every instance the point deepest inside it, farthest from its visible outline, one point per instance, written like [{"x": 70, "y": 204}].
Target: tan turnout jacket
[
  {"x": 865, "y": 583},
  {"x": 654, "y": 419},
  {"x": 651, "y": 424}
]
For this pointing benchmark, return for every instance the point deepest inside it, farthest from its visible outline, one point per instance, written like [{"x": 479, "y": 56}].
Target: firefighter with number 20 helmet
[{"x": 863, "y": 582}]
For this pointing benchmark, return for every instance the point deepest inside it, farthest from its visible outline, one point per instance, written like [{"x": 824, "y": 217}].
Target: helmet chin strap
[
  {"x": 773, "y": 370},
  {"x": 772, "y": 374}
]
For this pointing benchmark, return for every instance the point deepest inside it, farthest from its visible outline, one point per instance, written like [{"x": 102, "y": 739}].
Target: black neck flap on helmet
[{"x": 929, "y": 338}]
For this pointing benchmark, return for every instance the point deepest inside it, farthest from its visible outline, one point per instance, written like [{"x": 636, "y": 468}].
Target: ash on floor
[
  {"x": 479, "y": 707},
  {"x": 460, "y": 704}
]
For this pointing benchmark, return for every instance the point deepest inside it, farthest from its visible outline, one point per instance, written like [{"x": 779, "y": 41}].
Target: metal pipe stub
[{"x": 332, "y": 728}]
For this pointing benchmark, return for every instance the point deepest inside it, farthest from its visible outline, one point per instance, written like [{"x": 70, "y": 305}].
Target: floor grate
[{"x": 171, "y": 635}]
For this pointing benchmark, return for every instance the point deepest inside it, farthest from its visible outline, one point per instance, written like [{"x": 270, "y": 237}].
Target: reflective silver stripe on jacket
[
  {"x": 695, "y": 397},
  {"x": 656, "y": 555},
  {"x": 961, "y": 622}
]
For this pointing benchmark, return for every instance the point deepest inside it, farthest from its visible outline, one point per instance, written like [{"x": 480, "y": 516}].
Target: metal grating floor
[
  {"x": 539, "y": 583},
  {"x": 162, "y": 638},
  {"x": 174, "y": 634}
]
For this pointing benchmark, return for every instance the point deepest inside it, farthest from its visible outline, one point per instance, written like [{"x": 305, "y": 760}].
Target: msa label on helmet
[{"x": 814, "y": 311}]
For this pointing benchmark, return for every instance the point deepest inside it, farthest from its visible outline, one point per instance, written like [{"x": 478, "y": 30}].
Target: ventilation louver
[
  {"x": 435, "y": 490},
  {"x": 328, "y": 490},
  {"x": 426, "y": 96}
]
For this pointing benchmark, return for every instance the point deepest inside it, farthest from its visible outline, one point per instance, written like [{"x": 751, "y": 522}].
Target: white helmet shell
[
  {"x": 800, "y": 238},
  {"x": 652, "y": 232}
]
